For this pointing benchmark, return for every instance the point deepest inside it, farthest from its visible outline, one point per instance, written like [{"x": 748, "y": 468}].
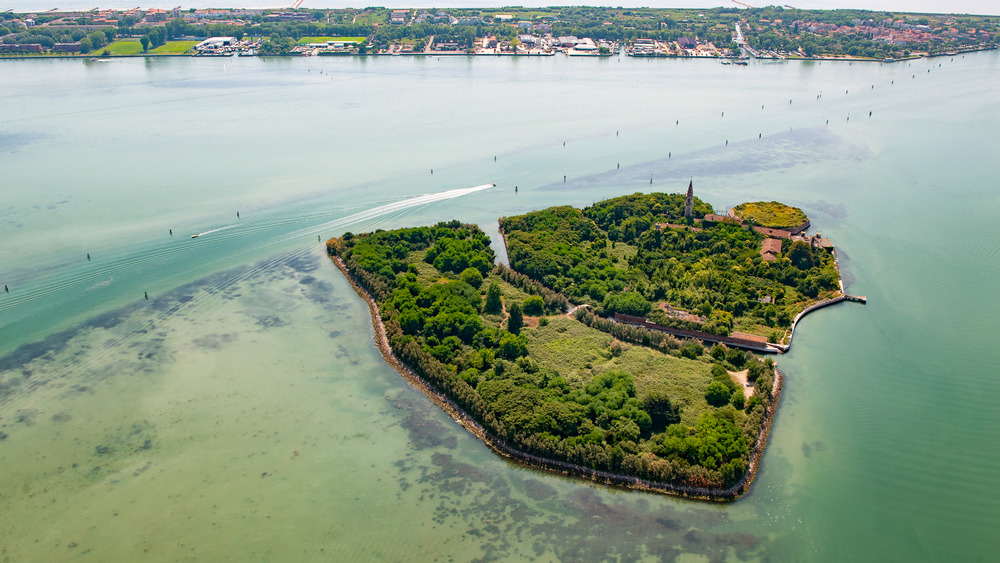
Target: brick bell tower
[{"x": 689, "y": 201}]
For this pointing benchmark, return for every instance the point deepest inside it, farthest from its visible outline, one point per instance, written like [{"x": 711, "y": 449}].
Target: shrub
[
  {"x": 533, "y": 305},
  {"x": 692, "y": 351}
]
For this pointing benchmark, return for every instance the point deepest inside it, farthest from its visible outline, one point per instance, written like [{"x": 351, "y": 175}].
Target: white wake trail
[
  {"x": 212, "y": 231},
  {"x": 386, "y": 209}
]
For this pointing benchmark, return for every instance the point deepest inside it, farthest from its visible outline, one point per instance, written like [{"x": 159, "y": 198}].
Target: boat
[{"x": 194, "y": 236}]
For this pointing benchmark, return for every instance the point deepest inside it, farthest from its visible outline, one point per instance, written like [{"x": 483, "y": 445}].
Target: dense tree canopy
[
  {"x": 459, "y": 322},
  {"x": 623, "y": 255}
]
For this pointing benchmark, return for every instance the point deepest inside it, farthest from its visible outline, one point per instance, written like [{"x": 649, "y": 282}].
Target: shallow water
[{"x": 243, "y": 412}]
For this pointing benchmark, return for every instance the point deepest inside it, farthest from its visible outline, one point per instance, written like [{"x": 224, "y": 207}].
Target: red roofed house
[{"x": 770, "y": 249}]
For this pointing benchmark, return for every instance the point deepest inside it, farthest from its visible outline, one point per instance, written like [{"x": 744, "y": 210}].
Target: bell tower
[{"x": 689, "y": 201}]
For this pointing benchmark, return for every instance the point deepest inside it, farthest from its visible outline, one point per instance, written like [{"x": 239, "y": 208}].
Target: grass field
[
  {"x": 123, "y": 47},
  {"x": 771, "y": 214},
  {"x": 324, "y": 39},
  {"x": 174, "y": 48},
  {"x": 579, "y": 352},
  {"x": 624, "y": 252}
]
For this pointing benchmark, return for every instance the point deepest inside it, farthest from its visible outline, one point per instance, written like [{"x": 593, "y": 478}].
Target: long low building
[{"x": 215, "y": 43}]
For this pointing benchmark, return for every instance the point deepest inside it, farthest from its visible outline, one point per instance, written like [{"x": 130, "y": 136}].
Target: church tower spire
[{"x": 689, "y": 201}]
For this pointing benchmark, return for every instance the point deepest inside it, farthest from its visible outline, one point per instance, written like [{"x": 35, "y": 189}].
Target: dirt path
[{"x": 741, "y": 378}]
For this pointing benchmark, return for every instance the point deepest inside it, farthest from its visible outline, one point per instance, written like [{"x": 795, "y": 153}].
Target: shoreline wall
[{"x": 503, "y": 449}]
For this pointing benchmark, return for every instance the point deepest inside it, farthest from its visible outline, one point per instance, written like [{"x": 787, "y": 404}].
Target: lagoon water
[{"x": 243, "y": 412}]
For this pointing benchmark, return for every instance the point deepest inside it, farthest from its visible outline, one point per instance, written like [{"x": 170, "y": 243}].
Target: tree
[
  {"x": 513, "y": 346},
  {"x": 661, "y": 410},
  {"x": 516, "y": 319},
  {"x": 472, "y": 277},
  {"x": 738, "y": 399},
  {"x": 493, "y": 304},
  {"x": 85, "y": 46},
  {"x": 719, "y": 353},
  {"x": 801, "y": 255},
  {"x": 628, "y": 303},
  {"x": 145, "y": 42},
  {"x": 97, "y": 39},
  {"x": 717, "y": 394}
]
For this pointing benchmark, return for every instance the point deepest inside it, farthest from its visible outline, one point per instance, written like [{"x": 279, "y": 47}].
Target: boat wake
[
  {"x": 212, "y": 231},
  {"x": 389, "y": 208},
  {"x": 104, "y": 283}
]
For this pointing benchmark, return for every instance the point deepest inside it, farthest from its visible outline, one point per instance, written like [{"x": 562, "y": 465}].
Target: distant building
[
  {"x": 156, "y": 15},
  {"x": 66, "y": 47},
  {"x": 213, "y": 43},
  {"x": 287, "y": 17},
  {"x": 21, "y": 47},
  {"x": 398, "y": 17}
]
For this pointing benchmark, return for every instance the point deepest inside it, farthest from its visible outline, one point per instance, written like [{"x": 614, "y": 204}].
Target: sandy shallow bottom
[{"x": 250, "y": 416}]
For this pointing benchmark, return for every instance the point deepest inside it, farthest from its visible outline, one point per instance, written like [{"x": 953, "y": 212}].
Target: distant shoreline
[{"x": 93, "y": 57}]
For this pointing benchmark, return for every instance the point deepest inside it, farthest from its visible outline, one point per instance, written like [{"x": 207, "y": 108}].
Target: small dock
[{"x": 856, "y": 298}]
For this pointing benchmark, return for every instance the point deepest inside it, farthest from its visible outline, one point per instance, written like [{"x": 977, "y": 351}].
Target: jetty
[{"x": 815, "y": 306}]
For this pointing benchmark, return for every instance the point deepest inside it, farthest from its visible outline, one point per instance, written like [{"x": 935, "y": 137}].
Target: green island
[
  {"x": 625, "y": 343},
  {"x": 771, "y": 214},
  {"x": 733, "y": 35}
]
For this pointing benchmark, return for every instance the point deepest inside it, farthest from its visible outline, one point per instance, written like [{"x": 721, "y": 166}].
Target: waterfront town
[{"x": 730, "y": 34}]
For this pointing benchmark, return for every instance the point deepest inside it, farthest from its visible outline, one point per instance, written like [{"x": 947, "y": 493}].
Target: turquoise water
[{"x": 243, "y": 412}]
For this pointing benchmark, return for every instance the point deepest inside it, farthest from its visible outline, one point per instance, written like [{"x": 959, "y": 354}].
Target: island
[
  {"x": 733, "y": 35},
  {"x": 626, "y": 342}
]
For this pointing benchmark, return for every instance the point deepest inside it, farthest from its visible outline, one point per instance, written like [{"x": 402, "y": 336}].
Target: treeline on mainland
[
  {"x": 454, "y": 331},
  {"x": 770, "y": 27},
  {"x": 783, "y": 28},
  {"x": 716, "y": 275}
]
